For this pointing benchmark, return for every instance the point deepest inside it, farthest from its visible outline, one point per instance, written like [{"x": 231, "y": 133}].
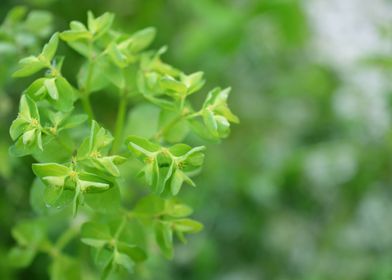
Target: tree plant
[{"x": 84, "y": 172}]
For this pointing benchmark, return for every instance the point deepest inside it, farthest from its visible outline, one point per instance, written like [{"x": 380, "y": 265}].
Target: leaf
[
  {"x": 134, "y": 252},
  {"x": 53, "y": 193},
  {"x": 50, "y": 169},
  {"x": 29, "y": 136},
  {"x": 50, "y": 48},
  {"x": 19, "y": 257},
  {"x": 210, "y": 122},
  {"x": 51, "y": 87},
  {"x": 150, "y": 204},
  {"x": 39, "y": 22},
  {"x": 109, "y": 202},
  {"x": 29, "y": 233},
  {"x": 108, "y": 164},
  {"x": 77, "y": 26},
  {"x": 142, "y": 39},
  {"x": 95, "y": 235},
  {"x": 90, "y": 183},
  {"x": 37, "y": 89},
  {"x": 73, "y": 35},
  {"x": 117, "y": 56},
  {"x": 29, "y": 66},
  {"x": 17, "y": 128},
  {"x": 178, "y": 131},
  {"x": 141, "y": 146},
  {"x": 66, "y": 93},
  {"x": 15, "y": 15},
  {"x": 176, "y": 182},
  {"x": 187, "y": 226},
  {"x": 168, "y": 83},
  {"x": 124, "y": 260},
  {"x": 164, "y": 176},
  {"x": 164, "y": 238},
  {"x": 100, "y": 25},
  {"x": 193, "y": 82},
  {"x": 64, "y": 268},
  {"x": 99, "y": 137},
  {"x": 73, "y": 121},
  {"x": 143, "y": 121},
  {"x": 178, "y": 210}
]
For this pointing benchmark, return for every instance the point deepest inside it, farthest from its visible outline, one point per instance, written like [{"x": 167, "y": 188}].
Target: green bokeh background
[{"x": 298, "y": 191}]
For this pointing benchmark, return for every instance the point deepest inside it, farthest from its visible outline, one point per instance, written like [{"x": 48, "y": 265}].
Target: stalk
[{"x": 120, "y": 120}]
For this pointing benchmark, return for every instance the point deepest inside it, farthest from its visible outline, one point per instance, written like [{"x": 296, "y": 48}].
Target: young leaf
[
  {"x": 29, "y": 66},
  {"x": 142, "y": 39},
  {"x": 50, "y": 48}
]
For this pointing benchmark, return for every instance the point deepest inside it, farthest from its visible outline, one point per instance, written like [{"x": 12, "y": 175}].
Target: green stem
[
  {"x": 120, "y": 120},
  {"x": 120, "y": 228},
  {"x": 85, "y": 91},
  {"x": 66, "y": 237},
  {"x": 87, "y": 106},
  {"x": 169, "y": 125}
]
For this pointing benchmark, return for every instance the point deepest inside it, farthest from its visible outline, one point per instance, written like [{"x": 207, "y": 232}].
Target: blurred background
[{"x": 302, "y": 188}]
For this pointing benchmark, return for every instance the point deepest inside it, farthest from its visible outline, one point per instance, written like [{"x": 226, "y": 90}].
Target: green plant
[{"x": 79, "y": 177}]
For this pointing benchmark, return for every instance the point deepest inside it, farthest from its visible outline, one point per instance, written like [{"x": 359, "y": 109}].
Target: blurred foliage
[{"x": 301, "y": 190}]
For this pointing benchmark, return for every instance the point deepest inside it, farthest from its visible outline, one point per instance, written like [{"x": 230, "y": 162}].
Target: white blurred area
[{"x": 345, "y": 32}]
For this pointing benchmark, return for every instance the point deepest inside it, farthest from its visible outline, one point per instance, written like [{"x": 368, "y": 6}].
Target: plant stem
[
  {"x": 87, "y": 106},
  {"x": 120, "y": 120},
  {"x": 86, "y": 89},
  {"x": 120, "y": 228},
  {"x": 66, "y": 237}
]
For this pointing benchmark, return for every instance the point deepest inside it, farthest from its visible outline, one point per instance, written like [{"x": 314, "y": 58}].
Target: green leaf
[
  {"x": 193, "y": 82},
  {"x": 20, "y": 257},
  {"x": 29, "y": 66},
  {"x": 64, "y": 268},
  {"x": 109, "y": 163},
  {"x": 142, "y": 39},
  {"x": 100, "y": 25},
  {"x": 108, "y": 202},
  {"x": 50, "y": 48},
  {"x": 39, "y": 22},
  {"x": 29, "y": 136},
  {"x": 77, "y": 26},
  {"x": 117, "y": 56},
  {"x": 50, "y": 169},
  {"x": 17, "y": 128},
  {"x": 134, "y": 252},
  {"x": 73, "y": 35},
  {"x": 15, "y": 15},
  {"x": 37, "y": 89},
  {"x": 53, "y": 193},
  {"x": 73, "y": 121},
  {"x": 164, "y": 238},
  {"x": 50, "y": 85},
  {"x": 99, "y": 137},
  {"x": 143, "y": 121},
  {"x": 29, "y": 233},
  {"x": 141, "y": 146},
  {"x": 187, "y": 226},
  {"x": 178, "y": 210},
  {"x": 168, "y": 83},
  {"x": 176, "y": 182},
  {"x": 150, "y": 204},
  {"x": 66, "y": 93},
  {"x": 164, "y": 176},
  {"x": 91, "y": 183},
  {"x": 95, "y": 234},
  {"x": 124, "y": 260}
]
